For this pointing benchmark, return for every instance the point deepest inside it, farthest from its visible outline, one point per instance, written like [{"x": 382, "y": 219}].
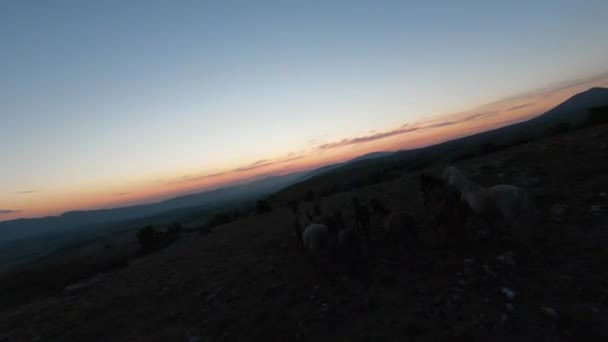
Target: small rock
[
  {"x": 598, "y": 209},
  {"x": 506, "y": 258},
  {"x": 550, "y": 312},
  {"x": 558, "y": 211},
  {"x": 509, "y": 294},
  {"x": 211, "y": 296}
]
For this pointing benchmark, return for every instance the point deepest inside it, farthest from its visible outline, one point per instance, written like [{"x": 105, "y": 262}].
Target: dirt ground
[{"x": 247, "y": 281}]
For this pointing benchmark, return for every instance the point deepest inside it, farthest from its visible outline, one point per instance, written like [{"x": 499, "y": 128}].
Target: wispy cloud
[
  {"x": 27, "y": 192},
  {"x": 520, "y": 106},
  {"x": 256, "y": 165},
  {"x": 191, "y": 178},
  {"x": 9, "y": 211},
  {"x": 365, "y": 139},
  {"x": 481, "y": 115},
  {"x": 120, "y": 193},
  {"x": 253, "y": 166},
  {"x": 266, "y": 162},
  {"x": 259, "y": 162},
  {"x": 406, "y": 128}
]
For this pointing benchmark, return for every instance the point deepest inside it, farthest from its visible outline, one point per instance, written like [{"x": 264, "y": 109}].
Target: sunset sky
[{"x": 110, "y": 103}]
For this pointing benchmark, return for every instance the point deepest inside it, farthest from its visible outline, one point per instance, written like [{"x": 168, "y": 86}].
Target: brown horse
[{"x": 450, "y": 211}]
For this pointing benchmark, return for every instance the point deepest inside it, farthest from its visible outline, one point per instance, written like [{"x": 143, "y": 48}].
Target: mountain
[
  {"x": 370, "y": 156},
  {"x": 92, "y": 219},
  {"x": 574, "y": 109}
]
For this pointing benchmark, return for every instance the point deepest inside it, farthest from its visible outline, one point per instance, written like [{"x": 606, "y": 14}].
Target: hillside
[{"x": 246, "y": 281}]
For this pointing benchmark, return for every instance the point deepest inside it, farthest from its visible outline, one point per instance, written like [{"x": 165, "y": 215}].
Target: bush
[
  {"x": 173, "y": 232},
  {"x": 262, "y": 207},
  {"x": 148, "y": 239}
]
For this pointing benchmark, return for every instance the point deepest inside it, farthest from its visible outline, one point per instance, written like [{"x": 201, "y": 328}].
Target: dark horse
[
  {"x": 450, "y": 211},
  {"x": 362, "y": 218}
]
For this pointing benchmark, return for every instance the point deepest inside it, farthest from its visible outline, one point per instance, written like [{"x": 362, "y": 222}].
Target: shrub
[
  {"x": 148, "y": 239},
  {"x": 173, "y": 232}
]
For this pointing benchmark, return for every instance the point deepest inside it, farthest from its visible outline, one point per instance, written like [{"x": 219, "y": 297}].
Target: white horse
[
  {"x": 320, "y": 241},
  {"x": 510, "y": 203}
]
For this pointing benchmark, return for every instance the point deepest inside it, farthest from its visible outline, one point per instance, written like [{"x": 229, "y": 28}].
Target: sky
[{"x": 111, "y": 103}]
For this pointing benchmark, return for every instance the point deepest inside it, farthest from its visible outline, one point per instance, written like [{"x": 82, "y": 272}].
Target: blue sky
[{"x": 115, "y": 95}]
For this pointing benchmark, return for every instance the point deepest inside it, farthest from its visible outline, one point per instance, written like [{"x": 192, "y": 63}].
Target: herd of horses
[{"x": 451, "y": 199}]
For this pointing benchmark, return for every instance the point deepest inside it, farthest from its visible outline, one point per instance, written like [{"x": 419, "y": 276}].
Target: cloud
[
  {"x": 365, "y": 139},
  {"x": 121, "y": 193},
  {"x": 404, "y": 129},
  {"x": 190, "y": 178},
  {"x": 520, "y": 106},
  {"x": 27, "y": 192},
  {"x": 259, "y": 162},
  {"x": 9, "y": 211},
  {"x": 490, "y": 109},
  {"x": 265, "y": 162},
  {"x": 290, "y": 158},
  {"x": 556, "y": 87},
  {"x": 256, "y": 165},
  {"x": 442, "y": 124},
  {"x": 481, "y": 115}
]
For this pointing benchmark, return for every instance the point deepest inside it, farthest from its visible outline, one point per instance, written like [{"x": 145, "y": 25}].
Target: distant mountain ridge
[
  {"x": 71, "y": 220},
  {"x": 23, "y": 228}
]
